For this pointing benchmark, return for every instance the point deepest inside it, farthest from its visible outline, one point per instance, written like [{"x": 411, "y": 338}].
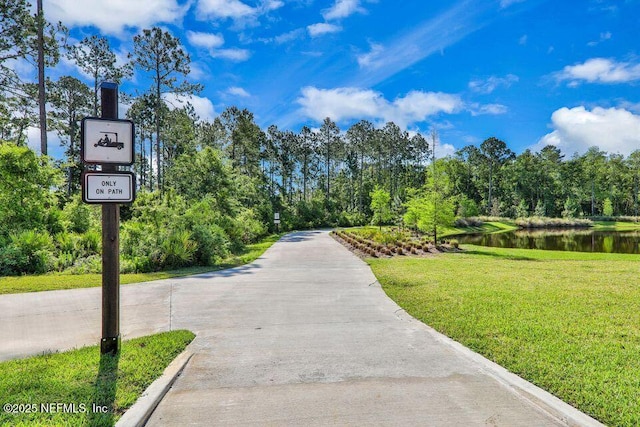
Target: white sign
[
  {"x": 276, "y": 221},
  {"x": 107, "y": 141},
  {"x": 276, "y": 215},
  {"x": 108, "y": 187}
]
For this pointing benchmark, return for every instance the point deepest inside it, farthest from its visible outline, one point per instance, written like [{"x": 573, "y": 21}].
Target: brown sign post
[
  {"x": 109, "y": 142},
  {"x": 110, "y": 342}
]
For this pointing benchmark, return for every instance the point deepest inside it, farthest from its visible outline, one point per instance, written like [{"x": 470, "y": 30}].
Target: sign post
[
  {"x": 109, "y": 142},
  {"x": 110, "y": 342},
  {"x": 276, "y": 221}
]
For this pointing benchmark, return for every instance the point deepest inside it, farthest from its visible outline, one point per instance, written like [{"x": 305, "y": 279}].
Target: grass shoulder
[
  {"x": 81, "y": 387},
  {"x": 58, "y": 281},
  {"x": 566, "y": 321}
]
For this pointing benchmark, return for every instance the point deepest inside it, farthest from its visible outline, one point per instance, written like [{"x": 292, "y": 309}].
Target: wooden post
[{"x": 110, "y": 342}]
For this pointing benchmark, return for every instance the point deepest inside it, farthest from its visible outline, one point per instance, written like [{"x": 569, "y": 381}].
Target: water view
[{"x": 560, "y": 240}]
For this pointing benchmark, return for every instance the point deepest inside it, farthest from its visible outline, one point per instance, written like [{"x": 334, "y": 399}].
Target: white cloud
[
  {"x": 603, "y": 37},
  {"x": 614, "y": 130},
  {"x": 114, "y": 16},
  {"x": 444, "y": 150},
  {"x": 488, "y": 109},
  {"x": 416, "y": 106},
  {"x": 233, "y": 54},
  {"x": 213, "y": 42},
  {"x": 599, "y": 70},
  {"x": 206, "y": 40},
  {"x": 507, "y": 3},
  {"x": 491, "y": 83},
  {"x": 341, "y": 103},
  {"x": 342, "y": 9},
  {"x": 238, "y": 91},
  {"x": 54, "y": 143},
  {"x": 234, "y": 9},
  {"x": 523, "y": 40},
  {"x": 367, "y": 59},
  {"x": 203, "y": 106},
  {"x": 322, "y": 28},
  {"x": 290, "y": 36},
  {"x": 270, "y": 5},
  {"x": 198, "y": 71},
  {"x": 350, "y": 103},
  {"x": 222, "y": 9}
]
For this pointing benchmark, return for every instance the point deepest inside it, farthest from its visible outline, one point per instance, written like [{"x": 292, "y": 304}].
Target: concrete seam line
[{"x": 138, "y": 414}]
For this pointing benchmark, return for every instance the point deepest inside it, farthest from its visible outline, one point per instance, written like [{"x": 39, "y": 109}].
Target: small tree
[
  {"x": 607, "y": 207},
  {"x": 429, "y": 211},
  {"x": 467, "y": 207},
  {"x": 380, "y": 201}
]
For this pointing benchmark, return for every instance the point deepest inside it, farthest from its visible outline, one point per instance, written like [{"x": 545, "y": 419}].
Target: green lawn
[
  {"x": 50, "y": 282},
  {"x": 567, "y": 321},
  {"x": 70, "y": 385}
]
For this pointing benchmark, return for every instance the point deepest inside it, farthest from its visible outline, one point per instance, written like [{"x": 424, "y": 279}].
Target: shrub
[
  {"x": 12, "y": 260},
  {"x": 542, "y": 222},
  {"x": 27, "y": 252},
  {"x": 64, "y": 260},
  {"x": 351, "y": 219},
  {"x": 91, "y": 243},
  {"x": 67, "y": 242},
  {"x": 212, "y": 244},
  {"x": 468, "y": 222},
  {"x": 88, "y": 265},
  {"x": 77, "y": 215},
  {"x": 249, "y": 229},
  {"x": 178, "y": 249}
]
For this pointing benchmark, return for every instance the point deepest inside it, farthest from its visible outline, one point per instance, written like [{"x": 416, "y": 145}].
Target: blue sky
[{"x": 530, "y": 72}]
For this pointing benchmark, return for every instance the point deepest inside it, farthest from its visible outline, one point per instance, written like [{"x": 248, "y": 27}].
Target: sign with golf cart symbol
[{"x": 107, "y": 141}]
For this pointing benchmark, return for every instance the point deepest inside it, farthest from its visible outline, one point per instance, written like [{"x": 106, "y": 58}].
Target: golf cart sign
[{"x": 107, "y": 141}]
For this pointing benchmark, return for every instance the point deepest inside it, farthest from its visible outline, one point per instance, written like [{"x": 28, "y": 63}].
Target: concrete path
[{"x": 303, "y": 336}]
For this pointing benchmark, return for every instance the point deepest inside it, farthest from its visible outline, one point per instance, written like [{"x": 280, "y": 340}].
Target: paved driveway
[{"x": 303, "y": 336}]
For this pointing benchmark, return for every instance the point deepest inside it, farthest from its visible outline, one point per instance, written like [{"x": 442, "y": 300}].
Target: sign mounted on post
[
  {"x": 108, "y": 187},
  {"x": 107, "y": 141}
]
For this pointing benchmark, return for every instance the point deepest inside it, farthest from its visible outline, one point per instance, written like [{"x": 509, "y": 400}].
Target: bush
[
  {"x": 28, "y": 252},
  {"x": 90, "y": 243},
  {"x": 248, "y": 228},
  {"x": 12, "y": 260},
  {"x": 64, "y": 260},
  {"x": 178, "y": 249},
  {"x": 67, "y": 243},
  {"x": 468, "y": 222},
  {"x": 212, "y": 244},
  {"x": 88, "y": 265},
  {"x": 543, "y": 222},
  {"x": 351, "y": 219},
  {"x": 77, "y": 216}
]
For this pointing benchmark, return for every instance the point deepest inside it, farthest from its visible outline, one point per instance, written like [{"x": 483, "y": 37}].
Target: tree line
[{"x": 207, "y": 187}]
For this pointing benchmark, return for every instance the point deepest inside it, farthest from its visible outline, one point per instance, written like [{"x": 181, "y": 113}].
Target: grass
[
  {"x": 57, "y": 281},
  {"x": 615, "y": 226},
  {"x": 486, "y": 227},
  {"x": 83, "y": 379},
  {"x": 567, "y": 321}
]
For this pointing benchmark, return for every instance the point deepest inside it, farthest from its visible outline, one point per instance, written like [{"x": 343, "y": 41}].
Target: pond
[{"x": 581, "y": 240}]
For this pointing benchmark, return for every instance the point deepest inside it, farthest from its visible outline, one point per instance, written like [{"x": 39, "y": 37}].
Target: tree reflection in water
[{"x": 579, "y": 240}]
